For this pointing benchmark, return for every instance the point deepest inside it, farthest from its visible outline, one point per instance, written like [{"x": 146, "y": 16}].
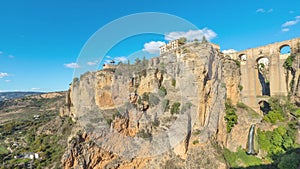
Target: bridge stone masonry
[{"x": 270, "y": 79}]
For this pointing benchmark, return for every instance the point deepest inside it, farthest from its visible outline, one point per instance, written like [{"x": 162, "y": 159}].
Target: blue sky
[{"x": 41, "y": 40}]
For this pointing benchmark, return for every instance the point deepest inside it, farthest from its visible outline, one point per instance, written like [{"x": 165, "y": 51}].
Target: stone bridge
[{"x": 250, "y": 77}]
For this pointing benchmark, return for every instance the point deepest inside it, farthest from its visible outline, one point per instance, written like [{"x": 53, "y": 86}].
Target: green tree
[
  {"x": 144, "y": 61},
  {"x": 279, "y": 109},
  {"x": 277, "y": 141},
  {"x": 204, "y": 40},
  {"x": 240, "y": 87},
  {"x": 145, "y": 97},
  {"x": 173, "y": 82},
  {"x": 75, "y": 80},
  {"x": 296, "y": 113},
  {"x": 182, "y": 40},
  {"x": 273, "y": 117},
  {"x": 288, "y": 142},
  {"x": 288, "y": 64},
  {"x": 162, "y": 91},
  {"x": 276, "y": 138},
  {"x": 290, "y": 161},
  {"x": 264, "y": 139},
  {"x": 175, "y": 108},
  {"x": 137, "y": 61}
]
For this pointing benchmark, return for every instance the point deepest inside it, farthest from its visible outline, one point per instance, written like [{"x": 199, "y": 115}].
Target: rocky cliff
[
  {"x": 159, "y": 113},
  {"x": 294, "y": 79}
]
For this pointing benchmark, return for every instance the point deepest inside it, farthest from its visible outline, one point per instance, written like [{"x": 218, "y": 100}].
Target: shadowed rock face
[
  {"x": 296, "y": 79},
  {"x": 144, "y": 115},
  {"x": 297, "y": 92}
]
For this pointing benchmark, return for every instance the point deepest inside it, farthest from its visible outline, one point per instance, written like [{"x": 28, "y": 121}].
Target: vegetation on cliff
[
  {"x": 281, "y": 110},
  {"x": 291, "y": 69},
  {"x": 230, "y": 117},
  {"x": 288, "y": 64},
  {"x": 277, "y": 141},
  {"x": 175, "y": 108},
  {"x": 235, "y": 159},
  {"x": 280, "y": 147},
  {"x": 280, "y": 144},
  {"x": 276, "y": 148}
]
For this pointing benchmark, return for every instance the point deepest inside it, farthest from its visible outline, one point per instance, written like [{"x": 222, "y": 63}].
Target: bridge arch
[
  {"x": 242, "y": 57},
  {"x": 264, "y": 106},
  {"x": 263, "y": 60},
  {"x": 285, "y": 49},
  {"x": 263, "y": 72}
]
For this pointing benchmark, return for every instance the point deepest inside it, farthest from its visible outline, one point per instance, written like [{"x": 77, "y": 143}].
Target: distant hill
[{"x": 15, "y": 95}]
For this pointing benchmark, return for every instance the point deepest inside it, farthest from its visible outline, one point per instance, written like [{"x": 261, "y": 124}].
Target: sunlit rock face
[{"x": 146, "y": 114}]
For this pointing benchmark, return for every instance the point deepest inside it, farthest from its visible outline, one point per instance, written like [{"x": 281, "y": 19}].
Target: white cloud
[
  {"x": 192, "y": 34},
  {"x": 120, "y": 59},
  {"x": 285, "y": 29},
  {"x": 72, "y": 65},
  {"x": 3, "y": 75},
  {"x": 11, "y": 56},
  {"x": 229, "y": 51},
  {"x": 1, "y": 52},
  {"x": 92, "y": 63},
  {"x": 292, "y": 22},
  {"x": 7, "y": 81},
  {"x": 153, "y": 47},
  {"x": 35, "y": 89},
  {"x": 116, "y": 59},
  {"x": 260, "y": 10},
  {"x": 107, "y": 61}
]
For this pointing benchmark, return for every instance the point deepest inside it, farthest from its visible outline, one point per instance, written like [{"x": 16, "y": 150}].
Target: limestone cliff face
[
  {"x": 146, "y": 114},
  {"x": 296, "y": 88},
  {"x": 238, "y": 137},
  {"x": 84, "y": 153},
  {"x": 232, "y": 79},
  {"x": 296, "y": 81}
]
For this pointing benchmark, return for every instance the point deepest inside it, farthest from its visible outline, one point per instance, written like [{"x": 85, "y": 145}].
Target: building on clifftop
[{"x": 175, "y": 44}]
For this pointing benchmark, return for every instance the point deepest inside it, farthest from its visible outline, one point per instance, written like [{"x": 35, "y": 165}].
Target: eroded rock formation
[{"x": 143, "y": 116}]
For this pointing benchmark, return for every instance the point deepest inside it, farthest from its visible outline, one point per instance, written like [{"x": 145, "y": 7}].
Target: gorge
[{"x": 191, "y": 107}]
